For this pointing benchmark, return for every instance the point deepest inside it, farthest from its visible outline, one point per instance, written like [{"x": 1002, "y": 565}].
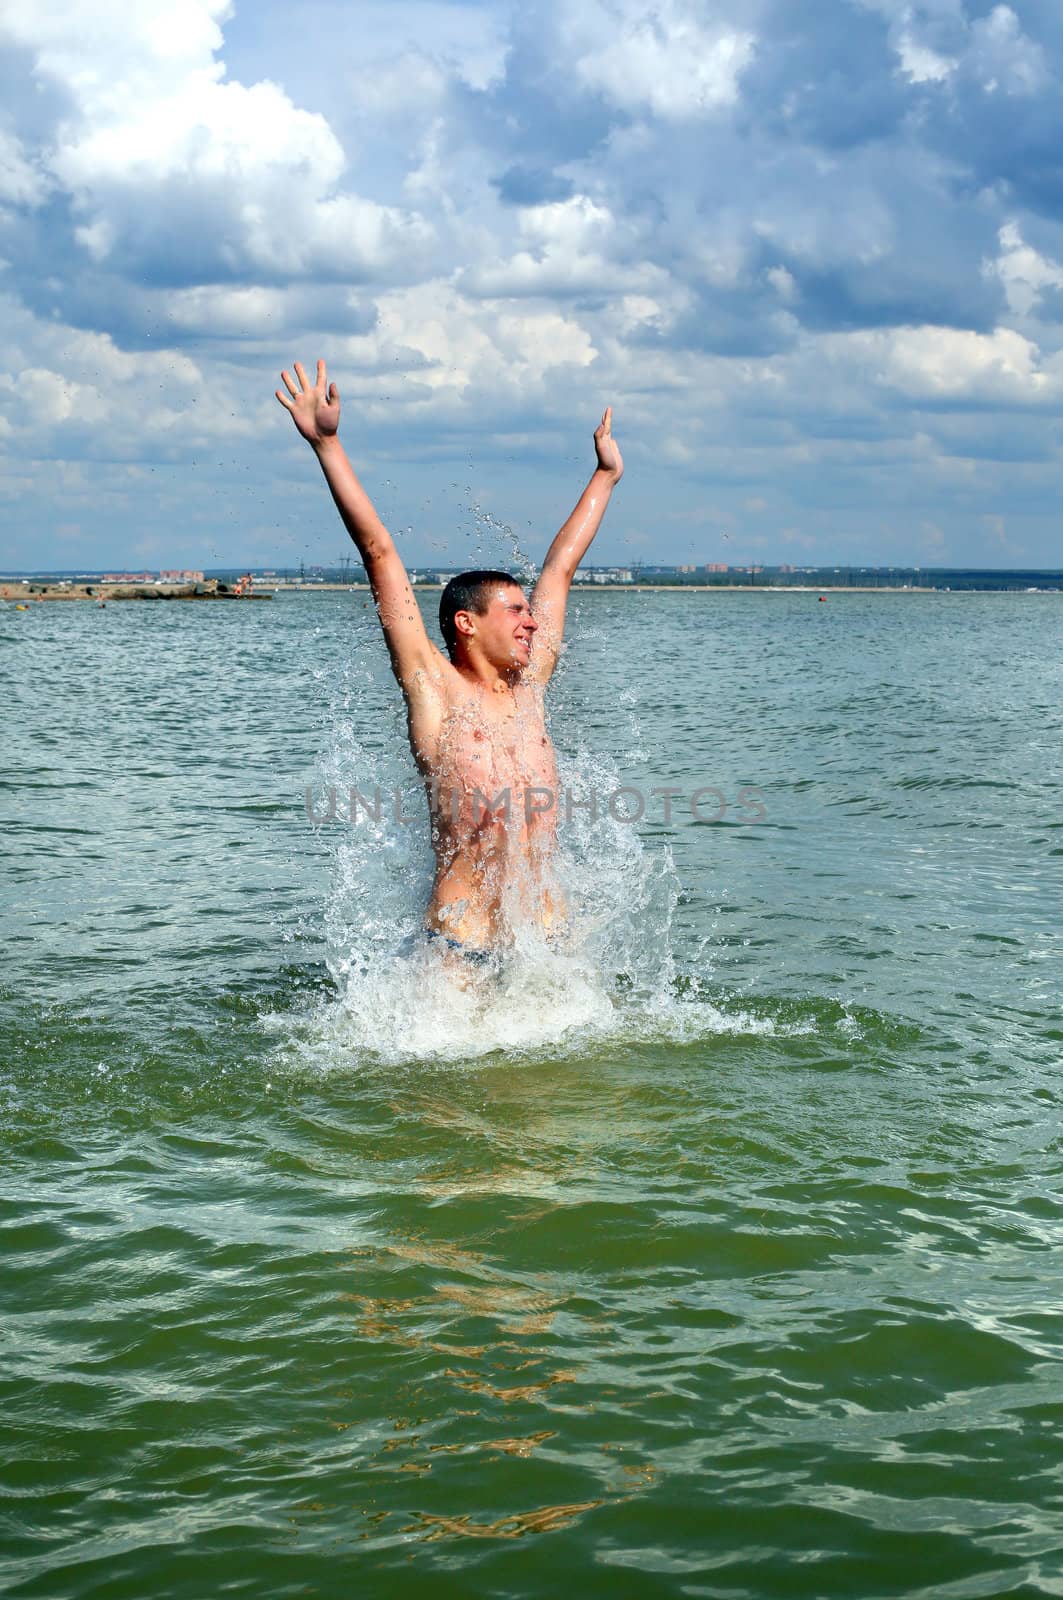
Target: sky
[{"x": 811, "y": 251}]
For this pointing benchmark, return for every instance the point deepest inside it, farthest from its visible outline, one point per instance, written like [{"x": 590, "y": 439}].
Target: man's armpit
[
  {"x": 393, "y": 611},
  {"x": 424, "y": 683}
]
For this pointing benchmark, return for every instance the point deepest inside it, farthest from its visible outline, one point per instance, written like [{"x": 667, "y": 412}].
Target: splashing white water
[{"x": 404, "y": 998}]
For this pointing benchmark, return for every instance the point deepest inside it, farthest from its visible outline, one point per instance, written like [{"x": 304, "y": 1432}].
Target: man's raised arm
[
  {"x": 550, "y": 596},
  {"x": 315, "y": 410}
]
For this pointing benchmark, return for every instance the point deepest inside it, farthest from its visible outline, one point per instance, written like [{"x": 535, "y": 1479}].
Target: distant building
[
  {"x": 604, "y": 575},
  {"x": 184, "y": 576},
  {"x": 128, "y": 577},
  {"x": 716, "y": 566}
]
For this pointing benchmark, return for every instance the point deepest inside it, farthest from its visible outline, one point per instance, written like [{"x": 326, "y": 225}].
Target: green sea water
[{"x": 718, "y": 1257}]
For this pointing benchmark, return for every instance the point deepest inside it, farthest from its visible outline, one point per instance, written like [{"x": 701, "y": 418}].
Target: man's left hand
[{"x": 608, "y": 451}]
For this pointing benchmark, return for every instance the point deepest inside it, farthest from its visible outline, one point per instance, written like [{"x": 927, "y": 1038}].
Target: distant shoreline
[
  {"x": 27, "y": 591},
  {"x": 24, "y": 592},
  {"x": 642, "y": 588},
  {"x": 684, "y": 588},
  {"x": 651, "y": 588}
]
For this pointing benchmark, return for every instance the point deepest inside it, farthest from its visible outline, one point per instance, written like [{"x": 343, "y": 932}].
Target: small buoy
[
  {"x": 822, "y": 599},
  {"x": 22, "y": 608}
]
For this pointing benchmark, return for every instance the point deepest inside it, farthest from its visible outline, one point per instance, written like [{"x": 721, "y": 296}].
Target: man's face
[{"x": 506, "y": 628}]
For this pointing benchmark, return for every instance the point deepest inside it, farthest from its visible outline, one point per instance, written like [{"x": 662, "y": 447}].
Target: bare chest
[{"x": 496, "y": 742}]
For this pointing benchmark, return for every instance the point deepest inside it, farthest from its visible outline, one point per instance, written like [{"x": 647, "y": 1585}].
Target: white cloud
[
  {"x": 238, "y": 312},
  {"x": 22, "y": 182},
  {"x": 672, "y": 60},
  {"x": 933, "y": 363},
  {"x": 110, "y": 55},
  {"x": 1004, "y": 57},
  {"x": 783, "y": 282},
  {"x": 97, "y": 359},
  {"x": 37, "y": 398},
  {"x": 813, "y": 228},
  {"x": 571, "y": 246},
  {"x": 244, "y": 180},
  {"x": 1023, "y": 272},
  {"x": 467, "y": 39},
  {"x": 993, "y": 49},
  {"x": 201, "y": 130},
  {"x": 344, "y": 236},
  {"x": 407, "y": 88},
  {"x": 97, "y": 238},
  {"x": 920, "y": 63},
  {"x": 462, "y": 344},
  {"x": 915, "y": 35},
  {"x": 265, "y": 197},
  {"x": 121, "y": 404},
  {"x": 574, "y": 224}
]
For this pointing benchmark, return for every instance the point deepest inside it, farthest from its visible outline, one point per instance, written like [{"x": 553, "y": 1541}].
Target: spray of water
[{"x": 610, "y": 977}]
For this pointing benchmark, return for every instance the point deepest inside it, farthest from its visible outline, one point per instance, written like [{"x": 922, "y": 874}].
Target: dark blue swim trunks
[{"x": 468, "y": 952}]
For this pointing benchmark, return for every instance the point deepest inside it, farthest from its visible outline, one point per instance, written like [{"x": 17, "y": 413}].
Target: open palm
[{"x": 314, "y": 408}]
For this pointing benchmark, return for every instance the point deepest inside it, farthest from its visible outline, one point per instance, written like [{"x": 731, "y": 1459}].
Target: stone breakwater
[{"x": 31, "y": 592}]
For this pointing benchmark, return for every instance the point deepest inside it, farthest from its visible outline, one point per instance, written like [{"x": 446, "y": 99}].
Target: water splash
[
  {"x": 401, "y": 998},
  {"x": 612, "y": 977}
]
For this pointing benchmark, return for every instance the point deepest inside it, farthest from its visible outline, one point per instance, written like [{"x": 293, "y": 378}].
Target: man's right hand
[{"x": 314, "y": 410}]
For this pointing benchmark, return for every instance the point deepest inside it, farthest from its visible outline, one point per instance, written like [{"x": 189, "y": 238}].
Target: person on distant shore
[{"x": 476, "y": 720}]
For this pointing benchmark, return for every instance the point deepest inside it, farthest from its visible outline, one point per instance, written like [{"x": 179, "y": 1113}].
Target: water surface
[{"x": 720, "y": 1259}]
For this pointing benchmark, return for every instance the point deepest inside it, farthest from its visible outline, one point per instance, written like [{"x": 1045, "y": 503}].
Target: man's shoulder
[{"x": 531, "y": 687}]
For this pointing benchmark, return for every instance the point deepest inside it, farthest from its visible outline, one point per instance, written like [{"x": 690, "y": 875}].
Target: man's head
[{"x": 487, "y": 613}]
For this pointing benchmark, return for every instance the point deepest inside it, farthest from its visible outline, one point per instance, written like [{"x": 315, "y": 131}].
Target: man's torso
[{"x": 491, "y": 774}]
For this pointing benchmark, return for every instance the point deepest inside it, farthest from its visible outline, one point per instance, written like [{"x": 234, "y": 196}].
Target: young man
[{"x": 476, "y": 721}]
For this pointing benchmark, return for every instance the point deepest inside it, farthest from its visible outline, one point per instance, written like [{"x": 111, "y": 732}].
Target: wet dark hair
[{"x": 468, "y": 592}]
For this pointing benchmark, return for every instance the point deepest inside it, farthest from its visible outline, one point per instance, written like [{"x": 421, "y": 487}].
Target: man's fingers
[
  {"x": 607, "y": 420},
  {"x": 300, "y": 373},
  {"x": 289, "y": 385},
  {"x": 321, "y": 384},
  {"x": 285, "y": 402},
  {"x": 333, "y": 394}
]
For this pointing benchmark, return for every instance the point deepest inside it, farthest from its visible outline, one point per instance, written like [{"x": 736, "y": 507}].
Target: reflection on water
[{"x": 546, "y": 1519}]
